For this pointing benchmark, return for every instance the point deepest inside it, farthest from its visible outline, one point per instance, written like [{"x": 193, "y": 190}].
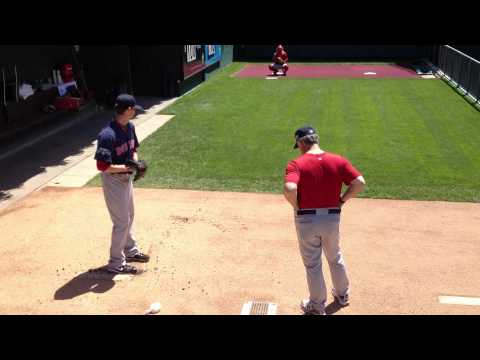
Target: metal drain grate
[{"x": 259, "y": 308}]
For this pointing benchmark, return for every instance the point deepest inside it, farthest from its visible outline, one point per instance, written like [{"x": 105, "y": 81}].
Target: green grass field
[{"x": 411, "y": 138}]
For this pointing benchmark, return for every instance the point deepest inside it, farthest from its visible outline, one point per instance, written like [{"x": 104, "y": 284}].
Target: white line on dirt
[{"x": 459, "y": 300}]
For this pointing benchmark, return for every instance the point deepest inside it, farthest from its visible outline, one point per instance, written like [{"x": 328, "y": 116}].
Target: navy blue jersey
[{"x": 115, "y": 145}]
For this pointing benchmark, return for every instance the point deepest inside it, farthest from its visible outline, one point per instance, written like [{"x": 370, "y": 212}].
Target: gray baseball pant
[
  {"x": 315, "y": 233},
  {"x": 118, "y": 193}
]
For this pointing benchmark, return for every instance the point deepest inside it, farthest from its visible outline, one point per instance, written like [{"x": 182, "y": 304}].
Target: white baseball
[{"x": 155, "y": 308}]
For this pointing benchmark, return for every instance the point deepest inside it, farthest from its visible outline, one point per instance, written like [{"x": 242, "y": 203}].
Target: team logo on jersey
[{"x": 122, "y": 149}]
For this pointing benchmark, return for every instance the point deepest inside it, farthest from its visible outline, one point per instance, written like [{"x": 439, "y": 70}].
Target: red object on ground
[
  {"x": 67, "y": 73},
  {"x": 333, "y": 71},
  {"x": 68, "y": 103}
]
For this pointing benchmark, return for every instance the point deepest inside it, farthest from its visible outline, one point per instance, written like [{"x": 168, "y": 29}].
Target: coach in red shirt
[{"x": 313, "y": 185}]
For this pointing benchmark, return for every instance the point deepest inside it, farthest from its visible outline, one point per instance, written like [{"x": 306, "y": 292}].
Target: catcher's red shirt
[
  {"x": 319, "y": 178},
  {"x": 283, "y": 55}
]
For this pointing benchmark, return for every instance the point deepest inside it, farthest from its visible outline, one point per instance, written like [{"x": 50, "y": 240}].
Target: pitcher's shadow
[
  {"x": 333, "y": 307},
  {"x": 84, "y": 283}
]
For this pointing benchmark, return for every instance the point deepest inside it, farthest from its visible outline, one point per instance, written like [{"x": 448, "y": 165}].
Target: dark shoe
[
  {"x": 125, "y": 269},
  {"x": 342, "y": 300},
  {"x": 308, "y": 308},
  {"x": 139, "y": 257}
]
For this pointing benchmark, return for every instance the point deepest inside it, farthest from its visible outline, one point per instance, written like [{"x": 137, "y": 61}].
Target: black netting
[{"x": 460, "y": 69}]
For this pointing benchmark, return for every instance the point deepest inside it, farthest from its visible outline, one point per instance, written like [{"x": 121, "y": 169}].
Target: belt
[{"x": 319, "y": 211}]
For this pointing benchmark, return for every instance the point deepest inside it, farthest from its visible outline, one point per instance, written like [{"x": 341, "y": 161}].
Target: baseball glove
[{"x": 139, "y": 168}]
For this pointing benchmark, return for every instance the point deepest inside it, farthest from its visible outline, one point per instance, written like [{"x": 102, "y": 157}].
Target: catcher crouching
[{"x": 117, "y": 159}]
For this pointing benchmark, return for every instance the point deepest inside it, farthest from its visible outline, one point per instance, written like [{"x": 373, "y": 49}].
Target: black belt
[{"x": 314, "y": 212}]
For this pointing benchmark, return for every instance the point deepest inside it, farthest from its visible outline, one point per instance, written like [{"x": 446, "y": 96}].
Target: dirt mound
[{"x": 213, "y": 251}]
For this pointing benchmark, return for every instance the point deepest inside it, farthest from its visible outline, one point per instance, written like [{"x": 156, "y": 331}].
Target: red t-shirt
[
  {"x": 283, "y": 55},
  {"x": 319, "y": 178}
]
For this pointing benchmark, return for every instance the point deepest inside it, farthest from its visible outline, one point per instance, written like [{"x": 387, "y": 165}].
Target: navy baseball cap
[
  {"x": 125, "y": 101},
  {"x": 303, "y": 131}
]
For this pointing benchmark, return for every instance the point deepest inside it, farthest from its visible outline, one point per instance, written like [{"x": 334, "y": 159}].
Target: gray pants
[
  {"x": 317, "y": 232},
  {"x": 118, "y": 193}
]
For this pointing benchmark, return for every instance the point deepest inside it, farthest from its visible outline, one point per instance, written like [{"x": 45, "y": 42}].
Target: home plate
[
  {"x": 259, "y": 308},
  {"x": 459, "y": 300},
  {"x": 429, "y": 77},
  {"x": 369, "y": 73},
  {"x": 271, "y": 77}
]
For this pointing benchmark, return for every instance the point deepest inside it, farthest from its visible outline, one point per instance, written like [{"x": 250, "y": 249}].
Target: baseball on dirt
[{"x": 155, "y": 308}]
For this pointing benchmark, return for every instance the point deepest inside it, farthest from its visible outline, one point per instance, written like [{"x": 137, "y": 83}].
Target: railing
[{"x": 461, "y": 70}]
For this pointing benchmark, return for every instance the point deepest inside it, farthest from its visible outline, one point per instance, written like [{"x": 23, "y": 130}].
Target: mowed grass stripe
[
  {"x": 461, "y": 145},
  {"x": 331, "y": 121},
  {"x": 446, "y": 162},
  {"x": 451, "y": 163},
  {"x": 412, "y": 139}
]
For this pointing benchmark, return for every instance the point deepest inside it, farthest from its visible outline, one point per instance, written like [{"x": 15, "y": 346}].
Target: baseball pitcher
[{"x": 117, "y": 159}]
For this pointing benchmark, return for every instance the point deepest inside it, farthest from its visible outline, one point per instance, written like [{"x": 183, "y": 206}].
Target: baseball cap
[
  {"x": 301, "y": 132},
  {"x": 124, "y": 101}
]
